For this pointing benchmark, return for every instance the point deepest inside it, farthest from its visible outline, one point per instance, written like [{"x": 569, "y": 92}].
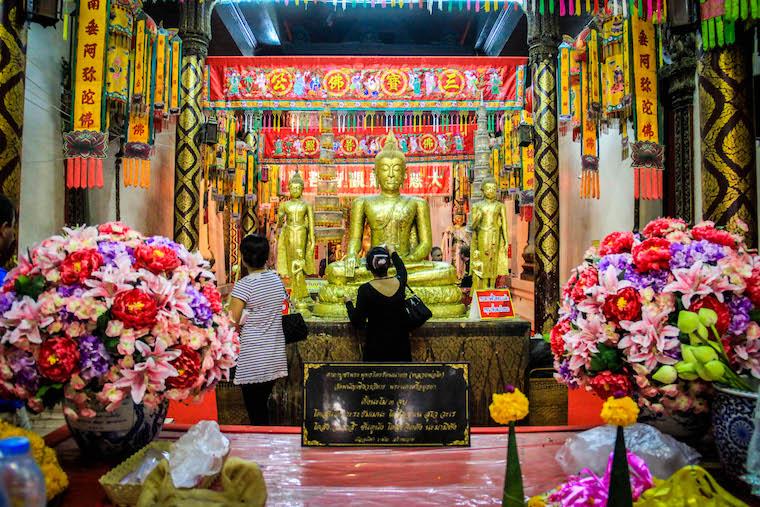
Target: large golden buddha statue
[{"x": 401, "y": 221}]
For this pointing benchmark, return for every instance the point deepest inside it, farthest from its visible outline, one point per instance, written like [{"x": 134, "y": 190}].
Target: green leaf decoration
[
  {"x": 608, "y": 358},
  {"x": 32, "y": 287},
  {"x": 514, "y": 495},
  {"x": 620, "y": 479}
]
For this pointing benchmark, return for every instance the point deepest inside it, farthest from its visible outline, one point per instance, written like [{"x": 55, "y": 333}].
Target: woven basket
[
  {"x": 128, "y": 494},
  {"x": 548, "y": 400}
]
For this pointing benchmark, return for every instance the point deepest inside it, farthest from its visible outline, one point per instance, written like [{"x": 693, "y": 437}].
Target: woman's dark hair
[
  {"x": 255, "y": 250},
  {"x": 378, "y": 261},
  {"x": 7, "y": 211}
]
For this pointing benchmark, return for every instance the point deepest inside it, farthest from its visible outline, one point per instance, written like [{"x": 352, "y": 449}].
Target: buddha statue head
[
  {"x": 295, "y": 186},
  {"x": 489, "y": 188},
  {"x": 390, "y": 166}
]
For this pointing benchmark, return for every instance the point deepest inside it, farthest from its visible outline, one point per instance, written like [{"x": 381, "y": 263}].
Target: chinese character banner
[
  {"x": 432, "y": 179},
  {"x": 365, "y": 82},
  {"x": 366, "y": 143}
]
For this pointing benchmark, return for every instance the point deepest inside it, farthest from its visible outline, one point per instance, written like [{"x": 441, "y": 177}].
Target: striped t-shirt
[{"x": 262, "y": 343}]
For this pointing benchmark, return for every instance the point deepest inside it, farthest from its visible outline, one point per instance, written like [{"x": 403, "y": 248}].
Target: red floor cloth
[{"x": 369, "y": 477}]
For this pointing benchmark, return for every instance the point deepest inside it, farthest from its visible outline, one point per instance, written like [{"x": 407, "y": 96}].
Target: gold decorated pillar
[
  {"x": 729, "y": 182},
  {"x": 248, "y": 223},
  {"x": 195, "y": 32},
  {"x": 12, "y": 73},
  {"x": 543, "y": 39}
]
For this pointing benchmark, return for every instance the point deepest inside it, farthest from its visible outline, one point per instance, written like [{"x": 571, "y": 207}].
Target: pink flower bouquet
[
  {"x": 659, "y": 315},
  {"x": 100, "y": 314}
]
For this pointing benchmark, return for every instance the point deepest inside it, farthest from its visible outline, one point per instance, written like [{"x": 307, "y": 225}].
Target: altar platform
[
  {"x": 497, "y": 350},
  {"x": 366, "y": 477}
]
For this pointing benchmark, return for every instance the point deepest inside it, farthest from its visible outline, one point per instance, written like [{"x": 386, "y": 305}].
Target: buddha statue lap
[{"x": 401, "y": 221}]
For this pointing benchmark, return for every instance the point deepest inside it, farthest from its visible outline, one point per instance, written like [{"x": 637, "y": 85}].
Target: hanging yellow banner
[
  {"x": 565, "y": 113},
  {"x": 588, "y": 125},
  {"x": 162, "y": 48},
  {"x": 90, "y": 73},
  {"x": 614, "y": 73},
  {"x": 645, "y": 79},
  {"x": 175, "y": 73},
  {"x": 139, "y": 77},
  {"x": 595, "y": 102}
]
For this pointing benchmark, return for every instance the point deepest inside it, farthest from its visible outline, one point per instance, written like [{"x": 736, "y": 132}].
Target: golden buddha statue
[
  {"x": 401, "y": 221},
  {"x": 490, "y": 237},
  {"x": 295, "y": 244}
]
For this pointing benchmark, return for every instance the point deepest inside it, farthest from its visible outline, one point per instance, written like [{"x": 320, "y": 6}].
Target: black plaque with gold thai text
[{"x": 386, "y": 404}]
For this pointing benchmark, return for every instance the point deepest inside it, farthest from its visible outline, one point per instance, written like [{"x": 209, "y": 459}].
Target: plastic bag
[
  {"x": 663, "y": 454},
  {"x": 198, "y": 453},
  {"x": 150, "y": 461}
]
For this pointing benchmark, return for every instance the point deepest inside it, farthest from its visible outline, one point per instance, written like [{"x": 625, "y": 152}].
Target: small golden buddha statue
[
  {"x": 295, "y": 244},
  {"x": 490, "y": 237},
  {"x": 398, "y": 220}
]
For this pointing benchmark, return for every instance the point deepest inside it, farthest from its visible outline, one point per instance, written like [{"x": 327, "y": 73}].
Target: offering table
[{"x": 497, "y": 351}]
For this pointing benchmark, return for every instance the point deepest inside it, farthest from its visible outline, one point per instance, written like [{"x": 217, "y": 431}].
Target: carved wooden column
[
  {"x": 678, "y": 83},
  {"x": 543, "y": 39},
  {"x": 729, "y": 182},
  {"x": 195, "y": 31},
  {"x": 12, "y": 74}
]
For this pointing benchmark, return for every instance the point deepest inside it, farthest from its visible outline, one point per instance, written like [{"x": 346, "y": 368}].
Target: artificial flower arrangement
[
  {"x": 55, "y": 478},
  {"x": 659, "y": 315},
  {"x": 102, "y": 314}
]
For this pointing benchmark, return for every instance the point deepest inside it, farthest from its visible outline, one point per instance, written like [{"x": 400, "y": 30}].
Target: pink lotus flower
[
  {"x": 693, "y": 282},
  {"x": 154, "y": 370},
  {"x": 24, "y": 322},
  {"x": 650, "y": 340}
]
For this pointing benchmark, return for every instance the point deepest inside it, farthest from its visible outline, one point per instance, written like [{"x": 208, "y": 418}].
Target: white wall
[
  {"x": 583, "y": 221},
  {"x": 42, "y": 166},
  {"x": 150, "y": 211}
]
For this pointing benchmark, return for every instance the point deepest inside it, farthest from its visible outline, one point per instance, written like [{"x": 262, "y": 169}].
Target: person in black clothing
[{"x": 380, "y": 303}]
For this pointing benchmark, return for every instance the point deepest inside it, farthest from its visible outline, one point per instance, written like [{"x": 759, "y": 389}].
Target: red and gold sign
[
  {"x": 394, "y": 82},
  {"x": 452, "y": 82},
  {"x": 428, "y": 143},
  {"x": 428, "y": 179},
  {"x": 336, "y": 83},
  {"x": 349, "y": 145},
  {"x": 280, "y": 82},
  {"x": 360, "y": 82},
  {"x": 310, "y": 146}
]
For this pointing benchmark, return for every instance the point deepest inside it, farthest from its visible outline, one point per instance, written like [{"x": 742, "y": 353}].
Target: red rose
[
  {"x": 156, "y": 259},
  {"x": 607, "y": 384},
  {"x": 586, "y": 280},
  {"x": 616, "y": 243},
  {"x": 711, "y": 302},
  {"x": 116, "y": 228},
  {"x": 753, "y": 287},
  {"x": 625, "y": 305},
  {"x": 557, "y": 337},
  {"x": 135, "y": 309},
  {"x": 660, "y": 227},
  {"x": 188, "y": 366},
  {"x": 78, "y": 266},
  {"x": 214, "y": 298},
  {"x": 58, "y": 358},
  {"x": 650, "y": 254},
  {"x": 713, "y": 235}
]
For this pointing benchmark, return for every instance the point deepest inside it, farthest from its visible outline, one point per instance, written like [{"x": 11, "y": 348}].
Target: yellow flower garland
[
  {"x": 55, "y": 478},
  {"x": 620, "y": 411},
  {"x": 508, "y": 407}
]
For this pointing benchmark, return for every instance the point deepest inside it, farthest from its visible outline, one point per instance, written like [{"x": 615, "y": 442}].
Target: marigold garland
[
  {"x": 620, "y": 411},
  {"x": 55, "y": 478},
  {"x": 508, "y": 407}
]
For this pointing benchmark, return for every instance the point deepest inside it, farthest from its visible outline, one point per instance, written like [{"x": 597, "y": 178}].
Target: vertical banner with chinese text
[
  {"x": 647, "y": 154},
  {"x": 85, "y": 146}
]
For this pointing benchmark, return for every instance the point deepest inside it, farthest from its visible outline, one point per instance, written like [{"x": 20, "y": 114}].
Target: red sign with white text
[{"x": 494, "y": 304}]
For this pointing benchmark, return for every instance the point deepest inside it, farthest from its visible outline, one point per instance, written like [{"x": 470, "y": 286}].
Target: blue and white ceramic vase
[
  {"x": 120, "y": 433},
  {"x": 733, "y": 425}
]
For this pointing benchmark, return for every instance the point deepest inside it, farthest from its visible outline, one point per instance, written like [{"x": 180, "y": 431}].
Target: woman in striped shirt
[{"x": 262, "y": 357}]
